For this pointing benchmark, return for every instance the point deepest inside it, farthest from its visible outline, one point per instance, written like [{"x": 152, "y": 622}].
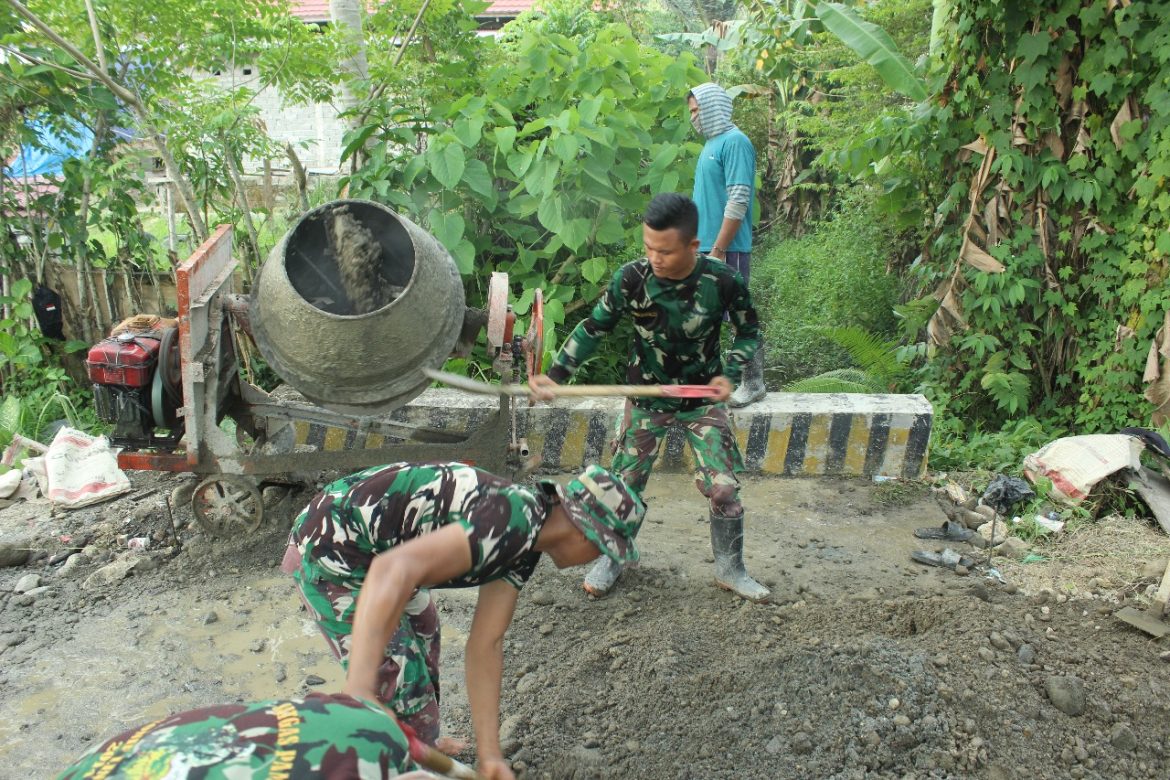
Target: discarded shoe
[
  {"x": 947, "y": 559},
  {"x": 949, "y": 530}
]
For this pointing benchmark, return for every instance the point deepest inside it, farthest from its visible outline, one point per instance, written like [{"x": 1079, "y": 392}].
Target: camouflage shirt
[
  {"x": 359, "y": 516},
  {"x": 677, "y": 325},
  {"x": 319, "y": 737}
]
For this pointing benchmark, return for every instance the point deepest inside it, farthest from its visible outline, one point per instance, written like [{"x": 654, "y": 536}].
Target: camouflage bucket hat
[{"x": 605, "y": 508}]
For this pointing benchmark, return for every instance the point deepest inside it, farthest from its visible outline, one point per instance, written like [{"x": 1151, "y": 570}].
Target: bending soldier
[{"x": 368, "y": 548}]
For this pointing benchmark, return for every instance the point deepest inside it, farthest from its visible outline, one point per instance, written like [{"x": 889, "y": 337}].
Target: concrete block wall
[
  {"x": 314, "y": 130},
  {"x": 789, "y": 434}
]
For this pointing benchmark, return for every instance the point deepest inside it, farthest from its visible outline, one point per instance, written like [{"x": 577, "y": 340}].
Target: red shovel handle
[{"x": 689, "y": 391}]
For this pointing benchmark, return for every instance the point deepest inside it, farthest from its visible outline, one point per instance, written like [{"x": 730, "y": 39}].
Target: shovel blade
[{"x": 1143, "y": 621}]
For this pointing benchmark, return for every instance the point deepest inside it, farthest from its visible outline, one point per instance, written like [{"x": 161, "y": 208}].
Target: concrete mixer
[{"x": 349, "y": 308}]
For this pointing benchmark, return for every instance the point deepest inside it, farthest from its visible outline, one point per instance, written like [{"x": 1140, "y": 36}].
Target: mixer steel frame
[{"x": 209, "y": 315}]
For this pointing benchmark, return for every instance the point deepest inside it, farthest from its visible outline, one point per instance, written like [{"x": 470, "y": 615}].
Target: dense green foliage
[
  {"x": 834, "y": 276},
  {"x": 1050, "y": 243},
  {"x": 542, "y": 164}
]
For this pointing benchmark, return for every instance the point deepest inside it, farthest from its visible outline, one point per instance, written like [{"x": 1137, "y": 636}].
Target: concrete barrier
[{"x": 789, "y": 434}]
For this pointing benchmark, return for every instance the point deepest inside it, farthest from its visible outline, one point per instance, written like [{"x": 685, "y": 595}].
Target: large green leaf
[
  {"x": 575, "y": 232},
  {"x": 447, "y": 163},
  {"x": 593, "y": 269},
  {"x": 478, "y": 179},
  {"x": 873, "y": 45},
  {"x": 447, "y": 227},
  {"x": 552, "y": 214}
]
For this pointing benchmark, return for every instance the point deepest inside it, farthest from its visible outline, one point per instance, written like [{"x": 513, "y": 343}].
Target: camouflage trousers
[
  {"x": 408, "y": 679},
  {"x": 717, "y": 460}
]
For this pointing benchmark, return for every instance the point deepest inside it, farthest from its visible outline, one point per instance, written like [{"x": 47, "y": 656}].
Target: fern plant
[{"x": 878, "y": 365}]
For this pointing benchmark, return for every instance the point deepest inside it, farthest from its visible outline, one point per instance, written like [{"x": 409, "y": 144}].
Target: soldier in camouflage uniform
[
  {"x": 368, "y": 548},
  {"x": 333, "y": 737},
  {"x": 676, "y": 298}
]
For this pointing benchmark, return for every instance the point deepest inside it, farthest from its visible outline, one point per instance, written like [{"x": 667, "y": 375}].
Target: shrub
[{"x": 833, "y": 277}]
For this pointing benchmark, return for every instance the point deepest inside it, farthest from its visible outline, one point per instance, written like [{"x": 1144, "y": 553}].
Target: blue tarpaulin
[{"x": 53, "y": 148}]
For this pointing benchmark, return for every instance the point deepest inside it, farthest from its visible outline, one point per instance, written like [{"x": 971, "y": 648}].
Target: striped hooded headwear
[{"x": 714, "y": 110}]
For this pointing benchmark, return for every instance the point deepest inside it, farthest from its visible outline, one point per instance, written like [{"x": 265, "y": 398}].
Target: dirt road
[{"x": 867, "y": 665}]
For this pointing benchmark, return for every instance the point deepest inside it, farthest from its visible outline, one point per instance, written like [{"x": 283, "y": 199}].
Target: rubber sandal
[{"x": 949, "y": 530}]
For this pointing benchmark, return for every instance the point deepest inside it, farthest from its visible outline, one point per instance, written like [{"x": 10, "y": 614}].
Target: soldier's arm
[
  {"x": 391, "y": 581},
  {"x": 747, "y": 332},
  {"x": 583, "y": 341},
  {"x": 484, "y": 668}
]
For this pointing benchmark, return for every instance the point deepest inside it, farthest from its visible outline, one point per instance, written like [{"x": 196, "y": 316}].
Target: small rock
[
  {"x": 961, "y": 570},
  {"x": 1165, "y": 655},
  {"x": 1153, "y": 570},
  {"x": 257, "y": 645},
  {"x": 313, "y": 679},
  {"x": 14, "y": 551},
  {"x": 1026, "y": 654},
  {"x": 542, "y": 598},
  {"x": 894, "y": 703},
  {"x": 901, "y": 720},
  {"x": 280, "y": 673},
  {"x": 44, "y": 590},
  {"x": 109, "y": 574},
  {"x": 12, "y": 640},
  {"x": 774, "y": 746},
  {"x": 71, "y": 565},
  {"x": 802, "y": 743},
  {"x": 986, "y": 511},
  {"x": 24, "y": 600},
  {"x": 586, "y": 757},
  {"x": 633, "y": 746},
  {"x": 545, "y": 629},
  {"x": 210, "y": 618},
  {"x": 998, "y": 642},
  {"x": 987, "y": 654},
  {"x": 1015, "y": 548},
  {"x": 1123, "y": 738},
  {"x": 1000, "y": 533},
  {"x": 27, "y": 583},
  {"x": 527, "y": 683},
  {"x": 1067, "y": 694}
]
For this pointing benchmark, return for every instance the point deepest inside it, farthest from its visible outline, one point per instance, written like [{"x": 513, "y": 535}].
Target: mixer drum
[{"x": 360, "y": 352}]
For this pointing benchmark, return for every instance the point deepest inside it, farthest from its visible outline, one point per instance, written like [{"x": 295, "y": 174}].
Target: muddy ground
[{"x": 866, "y": 665}]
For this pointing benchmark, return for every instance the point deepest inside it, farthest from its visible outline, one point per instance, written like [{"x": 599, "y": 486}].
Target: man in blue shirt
[{"x": 724, "y": 188}]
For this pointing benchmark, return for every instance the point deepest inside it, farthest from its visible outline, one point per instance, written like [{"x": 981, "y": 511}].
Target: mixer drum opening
[{"x": 349, "y": 259}]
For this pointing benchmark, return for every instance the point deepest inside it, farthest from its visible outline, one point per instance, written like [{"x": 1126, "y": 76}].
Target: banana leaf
[{"x": 873, "y": 45}]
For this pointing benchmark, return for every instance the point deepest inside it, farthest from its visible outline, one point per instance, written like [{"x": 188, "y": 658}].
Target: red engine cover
[{"x": 127, "y": 359}]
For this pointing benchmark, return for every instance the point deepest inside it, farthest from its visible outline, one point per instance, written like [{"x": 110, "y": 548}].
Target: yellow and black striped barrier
[{"x": 788, "y": 434}]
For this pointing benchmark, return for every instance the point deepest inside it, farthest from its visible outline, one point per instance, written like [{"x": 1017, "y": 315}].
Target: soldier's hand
[
  {"x": 725, "y": 388},
  {"x": 540, "y": 388},
  {"x": 495, "y": 769}
]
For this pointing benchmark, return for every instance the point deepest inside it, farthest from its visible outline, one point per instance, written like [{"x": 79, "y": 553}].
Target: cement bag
[
  {"x": 1076, "y": 463},
  {"x": 82, "y": 470}
]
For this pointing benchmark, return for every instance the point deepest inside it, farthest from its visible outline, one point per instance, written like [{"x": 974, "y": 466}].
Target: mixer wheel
[{"x": 226, "y": 504}]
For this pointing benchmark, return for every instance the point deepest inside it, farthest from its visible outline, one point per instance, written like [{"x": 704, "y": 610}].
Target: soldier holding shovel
[{"x": 676, "y": 298}]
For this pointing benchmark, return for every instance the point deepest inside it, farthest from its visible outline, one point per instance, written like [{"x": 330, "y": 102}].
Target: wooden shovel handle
[{"x": 635, "y": 391}]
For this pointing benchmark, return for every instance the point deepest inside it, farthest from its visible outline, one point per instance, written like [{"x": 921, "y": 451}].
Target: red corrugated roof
[
  {"x": 318, "y": 10},
  {"x": 311, "y": 10},
  {"x": 508, "y": 7}
]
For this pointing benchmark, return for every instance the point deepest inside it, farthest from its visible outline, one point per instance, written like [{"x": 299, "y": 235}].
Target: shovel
[
  {"x": 563, "y": 391},
  {"x": 435, "y": 760},
  {"x": 1150, "y": 620}
]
